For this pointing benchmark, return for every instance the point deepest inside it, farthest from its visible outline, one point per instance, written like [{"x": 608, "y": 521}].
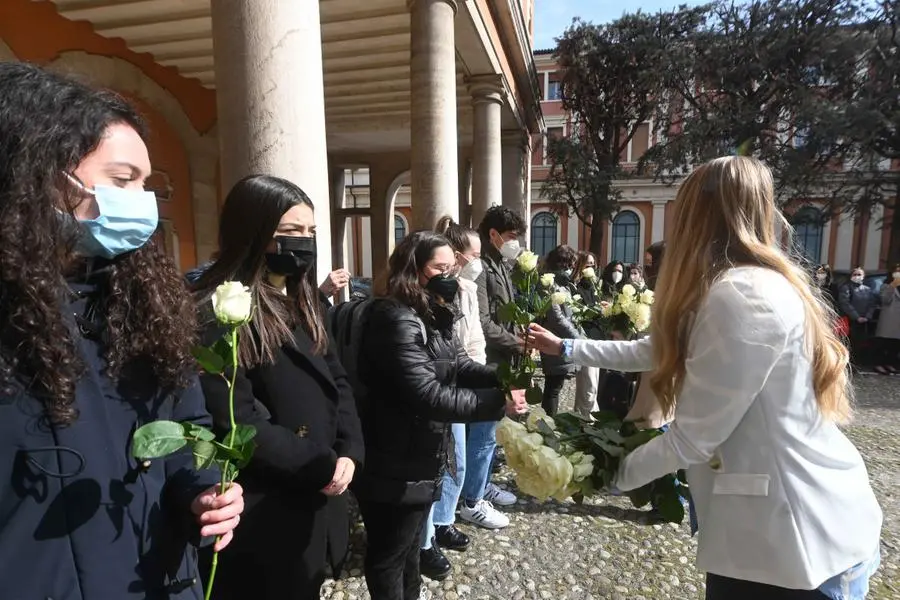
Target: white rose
[
  {"x": 536, "y": 416},
  {"x": 647, "y": 297},
  {"x": 589, "y": 273},
  {"x": 232, "y": 303},
  {"x": 561, "y": 297},
  {"x": 628, "y": 290},
  {"x": 554, "y": 470},
  {"x": 583, "y": 468},
  {"x": 547, "y": 279},
  {"x": 576, "y": 298},
  {"x": 508, "y": 430},
  {"x": 527, "y": 261},
  {"x": 641, "y": 317}
]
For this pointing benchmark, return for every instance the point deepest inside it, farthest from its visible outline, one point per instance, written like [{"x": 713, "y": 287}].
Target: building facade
[
  {"x": 425, "y": 95},
  {"x": 646, "y": 208}
]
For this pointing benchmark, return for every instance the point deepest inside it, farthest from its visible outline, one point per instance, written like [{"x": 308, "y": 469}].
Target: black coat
[
  {"x": 495, "y": 288},
  {"x": 80, "y": 519},
  {"x": 416, "y": 388},
  {"x": 303, "y": 409}
]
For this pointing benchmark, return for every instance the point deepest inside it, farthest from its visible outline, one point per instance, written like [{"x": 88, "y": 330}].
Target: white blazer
[
  {"x": 468, "y": 328},
  {"x": 787, "y": 500}
]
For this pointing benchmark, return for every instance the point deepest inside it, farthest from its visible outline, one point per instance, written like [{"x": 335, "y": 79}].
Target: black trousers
[
  {"x": 888, "y": 352},
  {"x": 726, "y": 588},
  {"x": 393, "y": 534},
  {"x": 553, "y": 385},
  {"x": 861, "y": 344}
]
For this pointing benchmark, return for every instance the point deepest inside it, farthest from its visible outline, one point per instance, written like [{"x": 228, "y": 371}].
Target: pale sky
[{"x": 551, "y": 17}]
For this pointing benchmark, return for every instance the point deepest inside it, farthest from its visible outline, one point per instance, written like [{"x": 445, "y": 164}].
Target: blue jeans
[
  {"x": 479, "y": 456},
  {"x": 443, "y": 512}
]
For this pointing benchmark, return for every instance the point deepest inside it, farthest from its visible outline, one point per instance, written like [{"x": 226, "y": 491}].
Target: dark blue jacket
[{"x": 80, "y": 519}]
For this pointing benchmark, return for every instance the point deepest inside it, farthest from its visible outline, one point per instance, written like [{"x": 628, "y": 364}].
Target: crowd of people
[{"x": 394, "y": 398}]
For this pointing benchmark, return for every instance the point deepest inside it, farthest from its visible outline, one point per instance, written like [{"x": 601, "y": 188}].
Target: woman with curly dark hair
[
  {"x": 419, "y": 381},
  {"x": 289, "y": 381},
  {"x": 95, "y": 340}
]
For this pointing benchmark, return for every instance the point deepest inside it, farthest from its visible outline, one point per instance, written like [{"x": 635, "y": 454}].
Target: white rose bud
[
  {"x": 628, "y": 290},
  {"x": 647, "y": 297},
  {"x": 589, "y": 273},
  {"x": 527, "y": 261},
  {"x": 547, "y": 279},
  {"x": 232, "y": 303}
]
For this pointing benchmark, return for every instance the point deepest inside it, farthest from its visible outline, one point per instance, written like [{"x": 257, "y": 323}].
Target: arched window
[
  {"x": 809, "y": 233},
  {"x": 399, "y": 229},
  {"x": 544, "y": 228},
  {"x": 626, "y": 238}
]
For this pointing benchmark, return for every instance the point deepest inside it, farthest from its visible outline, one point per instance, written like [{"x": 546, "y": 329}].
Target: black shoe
[
  {"x": 451, "y": 538},
  {"x": 433, "y": 564}
]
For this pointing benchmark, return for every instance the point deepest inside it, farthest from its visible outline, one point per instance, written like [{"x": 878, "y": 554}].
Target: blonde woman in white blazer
[{"x": 785, "y": 508}]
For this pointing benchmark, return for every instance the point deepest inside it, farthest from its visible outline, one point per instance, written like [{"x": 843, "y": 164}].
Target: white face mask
[
  {"x": 820, "y": 277},
  {"x": 472, "y": 270},
  {"x": 616, "y": 276},
  {"x": 510, "y": 250},
  {"x": 856, "y": 279}
]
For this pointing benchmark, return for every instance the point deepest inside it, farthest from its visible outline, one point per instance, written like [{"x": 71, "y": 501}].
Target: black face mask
[
  {"x": 443, "y": 287},
  {"x": 293, "y": 256}
]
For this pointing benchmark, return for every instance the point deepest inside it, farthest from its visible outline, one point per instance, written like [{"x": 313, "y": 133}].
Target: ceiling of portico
[{"x": 365, "y": 45}]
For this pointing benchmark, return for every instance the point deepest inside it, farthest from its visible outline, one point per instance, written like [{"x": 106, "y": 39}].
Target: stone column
[
  {"x": 659, "y": 221},
  {"x": 434, "y": 170},
  {"x": 514, "y": 148},
  {"x": 382, "y": 220},
  {"x": 487, "y": 178},
  {"x": 271, "y": 100}
]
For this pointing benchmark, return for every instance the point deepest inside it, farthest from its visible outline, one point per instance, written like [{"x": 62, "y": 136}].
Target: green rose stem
[{"x": 225, "y": 469}]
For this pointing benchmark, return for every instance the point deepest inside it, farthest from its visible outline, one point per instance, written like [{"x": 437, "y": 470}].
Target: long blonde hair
[{"x": 725, "y": 217}]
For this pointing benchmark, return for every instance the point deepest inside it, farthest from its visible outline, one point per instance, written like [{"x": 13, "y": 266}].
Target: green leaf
[
  {"x": 533, "y": 395},
  {"x": 242, "y": 434},
  {"x": 610, "y": 449},
  {"x": 204, "y": 453},
  {"x": 508, "y": 313},
  {"x": 602, "y": 417},
  {"x": 196, "y": 432},
  {"x": 246, "y": 451},
  {"x": 208, "y": 360},
  {"x": 222, "y": 348},
  {"x": 640, "y": 438},
  {"x": 157, "y": 439},
  {"x": 224, "y": 453}
]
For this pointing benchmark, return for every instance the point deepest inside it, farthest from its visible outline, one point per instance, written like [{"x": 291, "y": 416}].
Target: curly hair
[{"x": 48, "y": 124}]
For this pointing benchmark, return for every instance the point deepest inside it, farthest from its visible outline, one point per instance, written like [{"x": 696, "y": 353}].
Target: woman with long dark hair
[
  {"x": 96, "y": 330},
  {"x": 612, "y": 280},
  {"x": 292, "y": 389},
  {"x": 419, "y": 381}
]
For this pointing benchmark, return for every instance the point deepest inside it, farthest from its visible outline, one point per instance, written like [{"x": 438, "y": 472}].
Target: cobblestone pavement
[{"x": 606, "y": 550}]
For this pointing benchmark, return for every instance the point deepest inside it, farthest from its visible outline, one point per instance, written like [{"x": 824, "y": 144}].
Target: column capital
[
  {"x": 486, "y": 88},
  {"x": 453, "y": 4}
]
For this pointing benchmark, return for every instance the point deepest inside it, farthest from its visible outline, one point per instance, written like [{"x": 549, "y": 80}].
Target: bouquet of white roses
[
  {"x": 536, "y": 294},
  {"x": 568, "y": 456},
  {"x": 629, "y": 313}
]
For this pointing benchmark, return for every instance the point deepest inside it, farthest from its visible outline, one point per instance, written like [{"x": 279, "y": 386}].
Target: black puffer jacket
[{"x": 416, "y": 388}]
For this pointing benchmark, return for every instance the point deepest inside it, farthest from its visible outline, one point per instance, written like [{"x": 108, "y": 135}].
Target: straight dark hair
[
  {"x": 401, "y": 282},
  {"x": 249, "y": 220}
]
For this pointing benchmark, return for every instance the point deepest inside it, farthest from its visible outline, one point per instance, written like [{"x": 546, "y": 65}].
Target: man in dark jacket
[{"x": 500, "y": 231}]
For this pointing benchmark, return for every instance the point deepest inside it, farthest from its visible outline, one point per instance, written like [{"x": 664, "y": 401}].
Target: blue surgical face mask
[{"x": 128, "y": 218}]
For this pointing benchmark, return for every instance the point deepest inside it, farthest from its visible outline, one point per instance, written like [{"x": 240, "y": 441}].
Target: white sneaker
[
  {"x": 495, "y": 495},
  {"x": 484, "y": 515}
]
